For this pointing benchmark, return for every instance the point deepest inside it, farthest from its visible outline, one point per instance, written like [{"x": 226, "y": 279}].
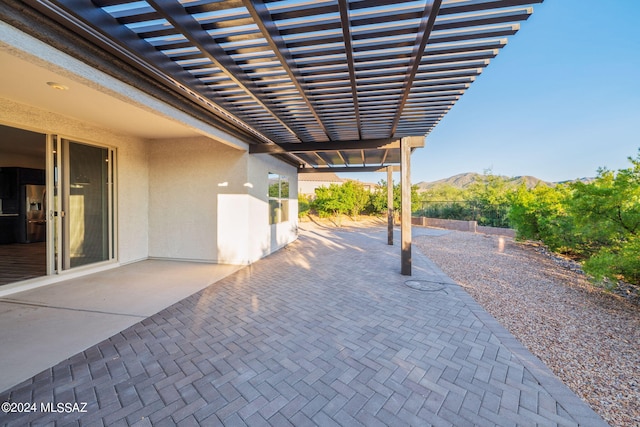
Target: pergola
[{"x": 326, "y": 85}]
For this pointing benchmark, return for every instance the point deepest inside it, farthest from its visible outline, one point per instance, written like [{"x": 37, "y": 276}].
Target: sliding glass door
[
  {"x": 23, "y": 207},
  {"x": 83, "y": 203},
  {"x": 57, "y": 204}
]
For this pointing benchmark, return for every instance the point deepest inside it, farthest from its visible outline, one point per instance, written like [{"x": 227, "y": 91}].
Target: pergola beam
[
  {"x": 426, "y": 25},
  {"x": 365, "y": 144},
  {"x": 343, "y": 6},
  {"x": 263, "y": 20},
  {"x": 128, "y": 47},
  {"x": 342, "y": 159},
  {"x": 301, "y": 72},
  {"x": 348, "y": 169},
  {"x": 447, "y": 10},
  {"x": 175, "y": 13}
]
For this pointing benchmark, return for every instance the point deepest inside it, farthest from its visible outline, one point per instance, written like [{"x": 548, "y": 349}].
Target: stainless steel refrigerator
[{"x": 33, "y": 219}]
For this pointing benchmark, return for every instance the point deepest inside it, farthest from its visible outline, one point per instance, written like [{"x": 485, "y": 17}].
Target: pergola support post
[
  {"x": 405, "y": 190},
  {"x": 390, "y": 205}
]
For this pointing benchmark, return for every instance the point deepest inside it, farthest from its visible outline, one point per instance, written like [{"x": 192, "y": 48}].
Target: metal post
[
  {"x": 390, "y": 205},
  {"x": 405, "y": 190}
]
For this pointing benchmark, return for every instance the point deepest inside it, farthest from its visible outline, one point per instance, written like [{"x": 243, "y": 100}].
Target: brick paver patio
[{"x": 324, "y": 332}]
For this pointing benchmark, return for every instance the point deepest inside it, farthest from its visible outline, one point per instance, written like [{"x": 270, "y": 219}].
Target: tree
[
  {"x": 607, "y": 213},
  {"x": 378, "y": 199},
  {"x": 491, "y": 197},
  {"x": 304, "y": 205},
  {"x": 598, "y": 222},
  {"x": 349, "y": 198},
  {"x": 355, "y": 197},
  {"x": 609, "y": 207},
  {"x": 541, "y": 213},
  {"x": 443, "y": 193},
  {"x": 328, "y": 201},
  {"x": 621, "y": 262}
]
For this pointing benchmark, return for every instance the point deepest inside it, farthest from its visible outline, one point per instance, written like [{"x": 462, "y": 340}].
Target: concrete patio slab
[
  {"x": 323, "y": 332},
  {"x": 46, "y": 325}
]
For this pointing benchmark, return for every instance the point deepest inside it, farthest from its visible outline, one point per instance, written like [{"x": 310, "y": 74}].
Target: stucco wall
[
  {"x": 133, "y": 203},
  {"x": 193, "y": 192},
  {"x": 191, "y": 199},
  {"x": 269, "y": 238},
  {"x": 208, "y": 202},
  {"x": 202, "y": 198},
  {"x": 309, "y": 187}
]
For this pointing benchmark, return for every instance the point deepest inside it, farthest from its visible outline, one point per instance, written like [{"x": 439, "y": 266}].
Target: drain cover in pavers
[{"x": 425, "y": 285}]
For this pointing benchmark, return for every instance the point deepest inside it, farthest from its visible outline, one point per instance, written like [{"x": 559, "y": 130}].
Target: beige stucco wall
[
  {"x": 190, "y": 199},
  {"x": 208, "y": 202},
  {"x": 200, "y": 198},
  {"x": 133, "y": 182},
  {"x": 309, "y": 187},
  {"x": 133, "y": 202},
  {"x": 193, "y": 181},
  {"x": 269, "y": 238}
]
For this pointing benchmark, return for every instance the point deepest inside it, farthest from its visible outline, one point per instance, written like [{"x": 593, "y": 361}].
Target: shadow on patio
[{"x": 323, "y": 332}]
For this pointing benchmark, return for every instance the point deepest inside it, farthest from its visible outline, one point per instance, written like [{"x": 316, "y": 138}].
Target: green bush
[
  {"x": 540, "y": 213},
  {"x": 491, "y": 199},
  {"x": 598, "y": 222},
  {"x": 622, "y": 262},
  {"x": 464, "y": 211},
  {"x": 607, "y": 215},
  {"x": 378, "y": 199},
  {"x": 304, "y": 205},
  {"x": 349, "y": 198},
  {"x": 486, "y": 201},
  {"x": 327, "y": 202}
]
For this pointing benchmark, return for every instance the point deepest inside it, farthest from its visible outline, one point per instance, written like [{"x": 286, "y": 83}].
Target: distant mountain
[
  {"x": 464, "y": 180},
  {"x": 583, "y": 180},
  {"x": 530, "y": 181}
]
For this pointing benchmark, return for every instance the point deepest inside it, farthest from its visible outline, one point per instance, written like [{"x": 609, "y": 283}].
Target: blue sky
[{"x": 559, "y": 101}]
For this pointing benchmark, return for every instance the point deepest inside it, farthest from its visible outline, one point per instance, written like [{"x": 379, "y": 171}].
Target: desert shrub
[
  {"x": 327, "y": 201},
  {"x": 541, "y": 213},
  {"x": 617, "y": 263},
  {"x": 607, "y": 216},
  {"x": 597, "y": 222},
  {"x": 348, "y": 198},
  {"x": 304, "y": 205},
  {"x": 490, "y": 197},
  {"x": 378, "y": 199}
]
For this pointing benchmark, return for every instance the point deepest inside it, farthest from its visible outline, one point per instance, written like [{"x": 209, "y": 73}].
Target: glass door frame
[
  {"x": 53, "y": 225},
  {"x": 58, "y": 193}
]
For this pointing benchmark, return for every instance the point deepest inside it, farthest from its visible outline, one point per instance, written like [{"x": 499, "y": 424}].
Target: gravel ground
[{"x": 589, "y": 338}]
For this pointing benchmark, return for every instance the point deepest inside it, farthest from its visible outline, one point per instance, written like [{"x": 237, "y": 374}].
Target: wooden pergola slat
[
  {"x": 378, "y": 144},
  {"x": 340, "y": 86}
]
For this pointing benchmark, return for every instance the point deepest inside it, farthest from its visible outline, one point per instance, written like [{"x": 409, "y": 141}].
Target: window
[{"x": 278, "y": 198}]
